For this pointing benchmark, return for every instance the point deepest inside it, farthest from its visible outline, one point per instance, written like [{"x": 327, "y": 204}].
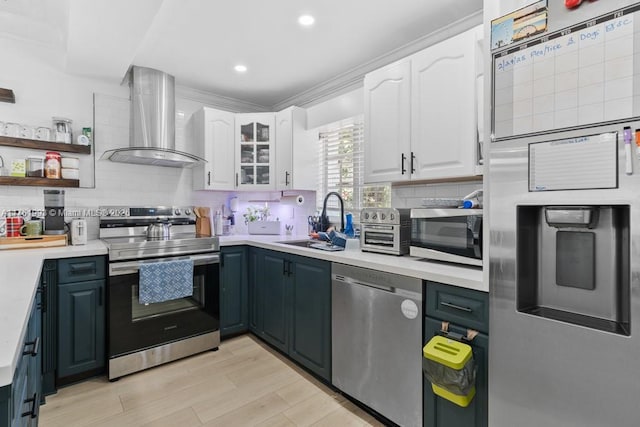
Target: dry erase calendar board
[{"x": 580, "y": 76}]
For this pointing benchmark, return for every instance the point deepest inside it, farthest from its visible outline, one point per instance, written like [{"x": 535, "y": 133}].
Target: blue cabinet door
[
  {"x": 310, "y": 332},
  {"x": 234, "y": 299},
  {"x": 273, "y": 270},
  {"x": 49, "y": 285},
  {"x": 81, "y": 327},
  {"x": 255, "y": 325},
  {"x": 439, "y": 412}
]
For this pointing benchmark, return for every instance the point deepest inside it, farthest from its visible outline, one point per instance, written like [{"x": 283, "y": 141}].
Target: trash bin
[{"x": 449, "y": 366}]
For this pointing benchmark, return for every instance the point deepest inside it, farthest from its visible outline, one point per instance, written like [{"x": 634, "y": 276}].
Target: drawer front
[
  {"x": 463, "y": 307},
  {"x": 81, "y": 269}
]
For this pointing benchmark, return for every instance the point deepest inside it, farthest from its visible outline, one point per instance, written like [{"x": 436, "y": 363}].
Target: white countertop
[
  {"x": 20, "y": 274},
  {"x": 465, "y": 277},
  {"x": 19, "y": 277}
]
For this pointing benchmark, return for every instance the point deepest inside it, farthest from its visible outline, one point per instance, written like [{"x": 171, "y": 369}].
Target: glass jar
[
  {"x": 35, "y": 166},
  {"x": 52, "y": 165},
  {"x": 62, "y": 130}
]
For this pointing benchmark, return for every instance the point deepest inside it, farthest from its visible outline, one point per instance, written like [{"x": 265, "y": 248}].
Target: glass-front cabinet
[{"x": 255, "y": 139}]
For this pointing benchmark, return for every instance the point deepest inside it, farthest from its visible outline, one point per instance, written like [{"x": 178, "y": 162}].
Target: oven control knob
[
  {"x": 383, "y": 216},
  {"x": 366, "y": 215},
  {"x": 177, "y": 212},
  {"x": 392, "y": 217},
  {"x": 187, "y": 211},
  {"x": 374, "y": 216}
]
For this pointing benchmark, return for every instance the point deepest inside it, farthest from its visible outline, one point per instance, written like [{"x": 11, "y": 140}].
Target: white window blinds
[{"x": 342, "y": 169}]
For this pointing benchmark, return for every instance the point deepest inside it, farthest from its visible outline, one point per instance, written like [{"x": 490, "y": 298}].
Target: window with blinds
[{"x": 342, "y": 169}]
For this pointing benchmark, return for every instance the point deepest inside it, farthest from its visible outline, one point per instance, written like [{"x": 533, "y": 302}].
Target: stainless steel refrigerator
[{"x": 564, "y": 218}]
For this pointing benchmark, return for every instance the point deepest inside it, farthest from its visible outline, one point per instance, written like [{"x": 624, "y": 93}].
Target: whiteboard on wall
[{"x": 580, "y": 76}]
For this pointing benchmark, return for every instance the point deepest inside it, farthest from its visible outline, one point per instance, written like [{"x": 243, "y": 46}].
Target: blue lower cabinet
[
  {"x": 464, "y": 309},
  {"x": 234, "y": 291},
  {"x": 291, "y": 307},
  {"x": 81, "y": 328},
  {"x": 49, "y": 286},
  {"x": 254, "y": 308},
  {"x": 20, "y": 400},
  {"x": 273, "y": 299},
  {"x": 310, "y": 338}
]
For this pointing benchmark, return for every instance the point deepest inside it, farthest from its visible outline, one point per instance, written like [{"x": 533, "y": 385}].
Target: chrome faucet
[{"x": 324, "y": 219}]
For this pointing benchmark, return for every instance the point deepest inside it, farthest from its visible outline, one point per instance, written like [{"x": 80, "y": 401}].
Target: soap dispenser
[{"x": 348, "y": 229}]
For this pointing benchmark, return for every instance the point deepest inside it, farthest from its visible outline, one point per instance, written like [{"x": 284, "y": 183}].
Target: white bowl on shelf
[
  {"x": 70, "y": 162},
  {"x": 70, "y": 173}
]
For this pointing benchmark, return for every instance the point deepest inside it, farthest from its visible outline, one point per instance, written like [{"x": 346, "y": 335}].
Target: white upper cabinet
[
  {"x": 422, "y": 116},
  {"x": 213, "y": 134},
  {"x": 297, "y": 155},
  {"x": 444, "y": 128},
  {"x": 387, "y": 131},
  {"x": 255, "y": 151}
]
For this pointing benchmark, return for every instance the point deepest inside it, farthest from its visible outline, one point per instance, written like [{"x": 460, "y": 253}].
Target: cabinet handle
[
  {"x": 403, "y": 158},
  {"x": 209, "y": 178},
  {"x": 34, "y": 350},
  {"x": 221, "y": 260},
  {"x": 236, "y": 179},
  {"x": 85, "y": 267},
  {"x": 286, "y": 178},
  {"x": 290, "y": 270},
  {"x": 456, "y": 307},
  {"x": 284, "y": 267},
  {"x": 33, "y": 413},
  {"x": 413, "y": 157}
]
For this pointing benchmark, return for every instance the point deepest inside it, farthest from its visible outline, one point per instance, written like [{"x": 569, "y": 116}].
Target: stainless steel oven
[
  {"x": 385, "y": 230},
  {"x": 451, "y": 235},
  {"x": 190, "y": 322},
  {"x": 142, "y": 335}
]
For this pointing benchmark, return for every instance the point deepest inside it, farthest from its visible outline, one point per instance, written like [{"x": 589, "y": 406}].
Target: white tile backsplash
[
  {"x": 127, "y": 184},
  {"x": 410, "y": 196}
]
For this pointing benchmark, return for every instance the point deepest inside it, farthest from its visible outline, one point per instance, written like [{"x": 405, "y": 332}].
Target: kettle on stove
[{"x": 78, "y": 231}]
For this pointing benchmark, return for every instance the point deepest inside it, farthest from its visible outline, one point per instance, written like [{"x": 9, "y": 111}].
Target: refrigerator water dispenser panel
[{"x": 573, "y": 265}]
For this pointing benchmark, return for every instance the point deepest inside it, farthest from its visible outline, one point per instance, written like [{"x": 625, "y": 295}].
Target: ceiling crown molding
[
  {"x": 218, "y": 101},
  {"x": 353, "y": 78}
]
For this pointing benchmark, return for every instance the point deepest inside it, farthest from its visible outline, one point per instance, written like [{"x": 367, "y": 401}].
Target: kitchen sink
[
  {"x": 315, "y": 244},
  {"x": 301, "y": 243}
]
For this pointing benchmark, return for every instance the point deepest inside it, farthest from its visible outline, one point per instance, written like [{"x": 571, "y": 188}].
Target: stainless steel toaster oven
[{"x": 385, "y": 230}]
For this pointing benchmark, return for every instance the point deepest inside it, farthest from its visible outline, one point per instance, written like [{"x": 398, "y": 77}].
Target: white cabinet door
[
  {"x": 255, "y": 151},
  {"x": 284, "y": 156},
  {"x": 443, "y": 109},
  {"x": 387, "y": 107},
  {"x": 297, "y": 154},
  {"x": 213, "y": 132}
]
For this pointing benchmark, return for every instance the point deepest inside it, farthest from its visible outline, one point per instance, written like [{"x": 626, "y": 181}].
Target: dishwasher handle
[{"x": 351, "y": 281}]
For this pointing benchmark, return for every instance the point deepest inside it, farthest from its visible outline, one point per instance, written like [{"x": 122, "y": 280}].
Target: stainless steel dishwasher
[{"x": 377, "y": 341}]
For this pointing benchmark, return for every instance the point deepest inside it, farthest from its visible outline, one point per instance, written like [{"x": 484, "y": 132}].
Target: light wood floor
[{"x": 245, "y": 383}]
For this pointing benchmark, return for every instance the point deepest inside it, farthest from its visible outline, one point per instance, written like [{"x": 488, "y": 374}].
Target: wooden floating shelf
[
  {"x": 8, "y": 141},
  {"x": 38, "y": 182}
]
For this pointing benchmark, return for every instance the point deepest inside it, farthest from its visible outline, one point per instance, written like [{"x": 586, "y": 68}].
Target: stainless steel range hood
[{"x": 153, "y": 123}]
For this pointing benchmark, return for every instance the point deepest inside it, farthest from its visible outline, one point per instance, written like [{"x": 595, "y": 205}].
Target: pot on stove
[{"x": 159, "y": 230}]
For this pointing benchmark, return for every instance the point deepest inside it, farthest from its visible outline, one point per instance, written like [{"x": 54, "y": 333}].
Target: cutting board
[{"x": 33, "y": 242}]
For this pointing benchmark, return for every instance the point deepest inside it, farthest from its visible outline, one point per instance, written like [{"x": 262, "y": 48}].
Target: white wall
[
  {"x": 411, "y": 196},
  {"x": 43, "y": 90},
  {"x": 341, "y": 107}
]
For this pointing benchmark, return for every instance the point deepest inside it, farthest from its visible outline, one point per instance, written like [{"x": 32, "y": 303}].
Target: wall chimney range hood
[{"x": 153, "y": 123}]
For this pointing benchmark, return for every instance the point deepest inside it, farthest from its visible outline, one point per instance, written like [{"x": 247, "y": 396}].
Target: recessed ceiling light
[
  {"x": 240, "y": 68},
  {"x": 306, "y": 20}
]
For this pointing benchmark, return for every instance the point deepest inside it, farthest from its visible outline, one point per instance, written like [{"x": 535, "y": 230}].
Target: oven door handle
[{"x": 132, "y": 267}]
